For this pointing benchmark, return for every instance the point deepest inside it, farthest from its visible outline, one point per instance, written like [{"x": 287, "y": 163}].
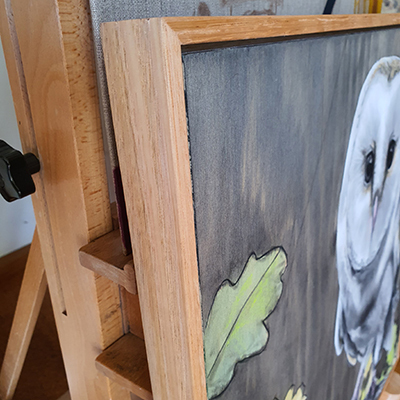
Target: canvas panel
[
  {"x": 269, "y": 128},
  {"x": 118, "y": 10}
]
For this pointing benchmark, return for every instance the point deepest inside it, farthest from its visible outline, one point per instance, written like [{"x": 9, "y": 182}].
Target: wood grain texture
[
  {"x": 196, "y": 30},
  {"x": 150, "y": 123},
  {"x": 16, "y": 75},
  {"x": 25, "y": 125},
  {"x": 203, "y": 30},
  {"x": 132, "y": 319},
  {"x": 76, "y": 31},
  {"x": 104, "y": 256},
  {"x": 131, "y": 312},
  {"x": 77, "y": 38},
  {"x": 125, "y": 362},
  {"x": 143, "y": 64},
  {"x": 391, "y": 390},
  {"x": 71, "y": 203},
  {"x": 33, "y": 289}
]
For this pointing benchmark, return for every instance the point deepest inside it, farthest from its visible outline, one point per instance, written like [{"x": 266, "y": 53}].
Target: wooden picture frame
[{"x": 145, "y": 76}]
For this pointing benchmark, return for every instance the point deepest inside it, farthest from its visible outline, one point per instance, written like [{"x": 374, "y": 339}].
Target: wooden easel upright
[{"x": 50, "y": 61}]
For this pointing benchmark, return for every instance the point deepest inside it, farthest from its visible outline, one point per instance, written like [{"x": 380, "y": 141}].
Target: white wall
[{"x": 17, "y": 221}]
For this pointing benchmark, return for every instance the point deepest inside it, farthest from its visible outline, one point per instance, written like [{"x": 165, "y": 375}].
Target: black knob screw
[{"x": 16, "y": 172}]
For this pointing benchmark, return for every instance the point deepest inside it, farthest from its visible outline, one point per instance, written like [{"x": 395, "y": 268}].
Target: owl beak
[{"x": 374, "y": 211}]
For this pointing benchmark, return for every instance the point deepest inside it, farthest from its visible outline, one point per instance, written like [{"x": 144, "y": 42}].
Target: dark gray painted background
[
  {"x": 268, "y": 130},
  {"x": 117, "y": 10}
]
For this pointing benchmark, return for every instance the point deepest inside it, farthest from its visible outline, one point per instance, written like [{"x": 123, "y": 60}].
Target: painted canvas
[
  {"x": 367, "y": 245},
  {"x": 296, "y": 190},
  {"x": 117, "y": 10}
]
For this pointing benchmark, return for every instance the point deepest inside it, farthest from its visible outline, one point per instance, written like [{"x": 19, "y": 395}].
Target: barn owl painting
[{"x": 368, "y": 228}]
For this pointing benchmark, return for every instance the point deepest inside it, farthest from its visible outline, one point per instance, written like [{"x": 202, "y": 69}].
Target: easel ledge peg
[{"x": 105, "y": 257}]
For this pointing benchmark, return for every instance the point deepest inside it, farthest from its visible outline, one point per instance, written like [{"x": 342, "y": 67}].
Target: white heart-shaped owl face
[{"x": 370, "y": 194}]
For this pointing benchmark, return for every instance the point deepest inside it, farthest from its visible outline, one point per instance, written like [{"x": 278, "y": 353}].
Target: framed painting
[{"x": 261, "y": 167}]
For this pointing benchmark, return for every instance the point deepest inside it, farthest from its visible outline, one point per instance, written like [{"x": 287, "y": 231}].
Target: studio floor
[{"x": 43, "y": 375}]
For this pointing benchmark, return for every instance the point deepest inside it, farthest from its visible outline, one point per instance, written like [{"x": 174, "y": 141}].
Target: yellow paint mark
[
  {"x": 375, "y": 6},
  {"x": 367, "y": 6}
]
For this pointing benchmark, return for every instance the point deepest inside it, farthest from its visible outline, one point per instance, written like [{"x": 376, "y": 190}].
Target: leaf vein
[{"x": 240, "y": 312}]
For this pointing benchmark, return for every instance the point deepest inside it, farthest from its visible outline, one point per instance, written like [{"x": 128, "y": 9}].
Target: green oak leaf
[{"x": 235, "y": 328}]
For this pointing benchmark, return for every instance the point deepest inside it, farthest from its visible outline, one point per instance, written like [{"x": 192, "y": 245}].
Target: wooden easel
[
  {"x": 50, "y": 61},
  {"x": 33, "y": 289}
]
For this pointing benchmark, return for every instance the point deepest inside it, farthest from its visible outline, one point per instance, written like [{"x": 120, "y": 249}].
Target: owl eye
[
  {"x": 369, "y": 166},
  {"x": 390, "y": 154}
]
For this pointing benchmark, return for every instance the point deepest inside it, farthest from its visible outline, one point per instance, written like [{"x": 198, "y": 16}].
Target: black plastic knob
[{"x": 16, "y": 172}]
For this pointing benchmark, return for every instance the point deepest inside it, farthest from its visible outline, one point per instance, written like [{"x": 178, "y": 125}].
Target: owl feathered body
[
  {"x": 368, "y": 227},
  {"x": 368, "y": 296}
]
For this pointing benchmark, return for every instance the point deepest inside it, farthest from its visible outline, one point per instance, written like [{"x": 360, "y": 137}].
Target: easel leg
[{"x": 33, "y": 289}]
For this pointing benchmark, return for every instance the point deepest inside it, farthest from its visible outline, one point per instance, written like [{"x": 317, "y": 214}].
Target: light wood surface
[
  {"x": 16, "y": 76},
  {"x": 125, "y": 362},
  {"x": 76, "y": 30},
  {"x": 56, "y": 82},
  {"x": 132, "y": 319},
  {"x": 33, "y": 289},
  {"x": 131, "y": 312},
  {"x": 223, "y": 29},
  {"x": 391, "y": 391},
  {"x": 105, "y": 257},
  {"x": 144, "y": 69},
  {"x": 202, "y": 30},
  {"x": 147, "y": 99},
  {"x": 25, "y": 125}
]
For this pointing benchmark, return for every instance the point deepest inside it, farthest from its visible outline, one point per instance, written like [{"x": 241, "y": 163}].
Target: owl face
[{"x": 371, "y": 181}]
